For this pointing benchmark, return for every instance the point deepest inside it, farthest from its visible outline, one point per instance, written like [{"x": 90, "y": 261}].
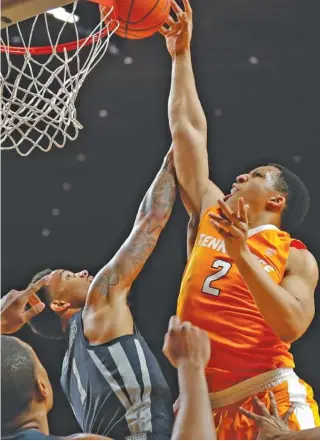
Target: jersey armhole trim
[{"x": 297, "y": 244}]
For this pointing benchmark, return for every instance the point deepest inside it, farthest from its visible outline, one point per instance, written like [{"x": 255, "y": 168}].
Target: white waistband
[{"x": 250, "y": 387}]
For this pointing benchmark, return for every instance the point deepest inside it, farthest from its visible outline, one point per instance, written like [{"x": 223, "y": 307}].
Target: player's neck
[
  {"x": 34, "y": 418},
  {"x": 66, "y": 316},
  {"x": 263, "y": 218}
]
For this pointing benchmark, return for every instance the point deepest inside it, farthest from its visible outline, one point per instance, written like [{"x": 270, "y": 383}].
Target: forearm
[
  {"x": 281, "y": 310},
  {"x": 159, "y": 199},
  {"x": 184, "y": 103},
  {"x": 302, "y": 434},
  {"x": 189, "y": 133},
  {"x": 194, "y": 419},
  {"x": 153, "y": 214}
]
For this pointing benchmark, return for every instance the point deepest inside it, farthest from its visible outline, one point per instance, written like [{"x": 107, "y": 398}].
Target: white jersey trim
[{"x": 261, "y": 228}]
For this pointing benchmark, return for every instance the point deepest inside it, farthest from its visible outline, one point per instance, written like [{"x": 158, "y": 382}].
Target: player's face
[
  {"x": 256, "y": 187},
  {"x": 70, "y": 287}
]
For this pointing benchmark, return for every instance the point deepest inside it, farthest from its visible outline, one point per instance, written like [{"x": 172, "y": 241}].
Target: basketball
[{"x": 141, "y": 18}]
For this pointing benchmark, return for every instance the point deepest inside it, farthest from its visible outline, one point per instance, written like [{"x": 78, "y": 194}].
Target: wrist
[
  {"x": 244, "y": 255},
  {"x": 183, "y": 55},
  {"x": 185, "y": 365},
  {"x": 191, "y": 377}
]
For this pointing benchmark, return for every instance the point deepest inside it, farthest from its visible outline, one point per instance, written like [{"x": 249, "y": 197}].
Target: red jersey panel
[{"x": 214, "y": 297}]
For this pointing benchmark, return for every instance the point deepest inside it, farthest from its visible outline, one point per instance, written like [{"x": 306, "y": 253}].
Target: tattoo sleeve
[{"x": 152, "y": 217}]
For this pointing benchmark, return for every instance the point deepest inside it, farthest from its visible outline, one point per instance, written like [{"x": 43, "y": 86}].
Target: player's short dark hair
[
  {"x": 297, "y": 198},
  {"x": 17, "y": 379},
  {"x": 47, "y": 323}
]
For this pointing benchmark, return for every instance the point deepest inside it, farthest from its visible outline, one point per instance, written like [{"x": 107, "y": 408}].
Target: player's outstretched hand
[
  {"x": 178, "y": 33},
  {"x": 186, "y": 344},
  {"x": 233, "y": 227},
  {"x": 13, "y": 304},
  {"x": 270, "y": 424}
]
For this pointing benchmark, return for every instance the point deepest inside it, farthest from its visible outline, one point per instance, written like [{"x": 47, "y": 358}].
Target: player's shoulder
[{"x": 301, "y": 260}]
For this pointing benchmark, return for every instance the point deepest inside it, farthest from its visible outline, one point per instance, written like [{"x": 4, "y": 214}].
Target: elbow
[
  {"x": 291, "y": 334},
  {"x": 182, "y": 126},
  {"x": 296, "y": 326},
  {"x": 154, "y": 219},
  {"x": 289, "y": 338}
]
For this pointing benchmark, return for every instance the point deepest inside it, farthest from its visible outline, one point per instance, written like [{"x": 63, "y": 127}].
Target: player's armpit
[
  {"x": 192, "y": 231},
  {"x": 211, "y": 197},
  {"x": 191, "y": 163},
  {"x": 300, "y": 281}
]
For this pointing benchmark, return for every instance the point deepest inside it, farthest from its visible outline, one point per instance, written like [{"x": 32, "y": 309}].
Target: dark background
[{"x": 73, "y": 208}]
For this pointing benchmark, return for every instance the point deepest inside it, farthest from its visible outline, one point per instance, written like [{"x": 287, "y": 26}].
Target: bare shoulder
[
  {"x": 211, "y": 196},
  {"x": 302, "y": 262}
]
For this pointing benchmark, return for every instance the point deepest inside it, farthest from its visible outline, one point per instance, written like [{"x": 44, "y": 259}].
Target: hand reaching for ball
[{"x": 178, "y": 34}]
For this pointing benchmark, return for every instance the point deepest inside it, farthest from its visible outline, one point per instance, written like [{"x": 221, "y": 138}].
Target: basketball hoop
[{"x": 41, "y": 83}]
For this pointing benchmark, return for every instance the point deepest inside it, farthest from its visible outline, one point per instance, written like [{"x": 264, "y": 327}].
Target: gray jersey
[{"x": 116, "y": 389}]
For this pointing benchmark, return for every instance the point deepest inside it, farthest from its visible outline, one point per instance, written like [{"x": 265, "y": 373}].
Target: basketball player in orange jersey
[{"x": 247, "y": 282}]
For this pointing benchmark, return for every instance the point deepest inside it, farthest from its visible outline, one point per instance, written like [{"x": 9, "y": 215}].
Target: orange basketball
[{"x": 141, "y": 18}]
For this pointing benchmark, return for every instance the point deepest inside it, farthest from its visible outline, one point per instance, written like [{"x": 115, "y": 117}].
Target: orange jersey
[{"x": 214, "y": 297}]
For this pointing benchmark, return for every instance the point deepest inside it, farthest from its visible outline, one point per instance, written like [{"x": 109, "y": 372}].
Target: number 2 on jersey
[{"x": 223, "y": 268}]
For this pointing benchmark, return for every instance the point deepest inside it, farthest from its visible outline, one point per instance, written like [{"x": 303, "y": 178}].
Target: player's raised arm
[
  {"x": 187, "y": 120},
  {"x": 154, "y": 212},
  {"x": 188, "y": 350}
]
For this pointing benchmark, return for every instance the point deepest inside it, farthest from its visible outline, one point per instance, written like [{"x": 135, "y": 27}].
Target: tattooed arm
[{"x": 118, "y": 275}]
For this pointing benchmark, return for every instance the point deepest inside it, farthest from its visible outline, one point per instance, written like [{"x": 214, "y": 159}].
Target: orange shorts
[{"x": 287, "y": 388}]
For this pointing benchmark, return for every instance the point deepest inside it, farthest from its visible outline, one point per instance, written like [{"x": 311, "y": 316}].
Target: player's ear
[
  {"x": 42, "y": 388},
  {"x": 59, "y": 306},
  {"x": 276, "y": 204}
]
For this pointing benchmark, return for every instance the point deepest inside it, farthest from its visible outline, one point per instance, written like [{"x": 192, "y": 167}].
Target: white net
[{"x": 38, "y": 92}]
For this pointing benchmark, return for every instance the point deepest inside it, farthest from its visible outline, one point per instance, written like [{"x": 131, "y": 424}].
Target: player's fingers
[
  {"x": 29, "y": 294},
  {"x": 34, "y": 300},
  {"x": 186, "y": 326},
  {"x": 273, "y": 405},
  {"x": 219, "y": 219},
  {"x": 249, "y": 414},
  {"x": 165, "y": 343},
  {"x": 224, "y": 233},
  {"x": 34, "y": 287},
  {"x": 33, "y": 312},
  {"x": 242, "y": 210},
  {"x": 174, "y": 323},
  {"x": 264, "y": 411},
  {"x": 164, "y": 31},
  {"x": 187, "y": 7},
  {"x": 176, "y": 7},
  {"x": 288, "y": 414},
  {"x": 228, "y": 213},
  {"x": 183, "y": 17},
  {"x": 226, "y": 225},
  {"x": 234, "y": 231},
  {"x": 170, "y": 21}
]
